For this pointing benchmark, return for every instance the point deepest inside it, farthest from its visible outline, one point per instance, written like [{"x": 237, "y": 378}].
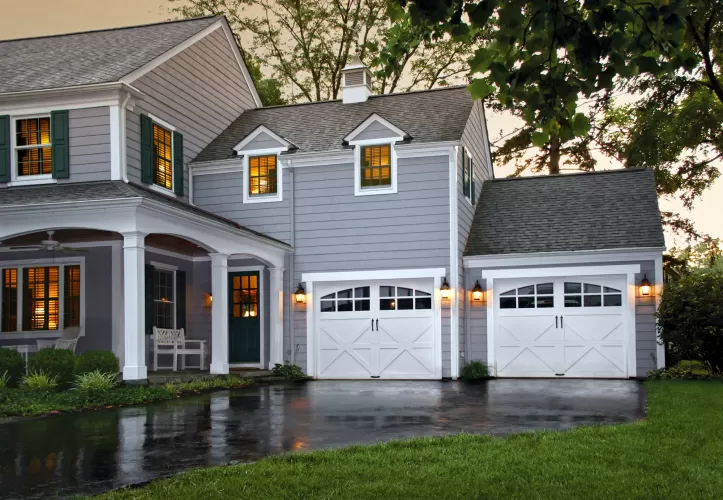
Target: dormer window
[
  {"x": 262, "y": 175},
  {"x": 376, "y": 166}
]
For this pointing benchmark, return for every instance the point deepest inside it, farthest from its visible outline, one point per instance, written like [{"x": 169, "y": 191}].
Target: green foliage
[
  {"x": 691, "y": 318},
  {"x": 12, "y": 364},
  {"x": 677, "y": 372},
  {"x": 95, "y": 381},
  {"x": 102, "y": 361},
  {"x": 198, "y": 384},
  {"x": 475, "y": 370},
  {"x": 59, "y": 363},
  {"x": 39, "y": 381},
  {"x": 4, "y": 380},
  {"x": 288, "y": 371}
]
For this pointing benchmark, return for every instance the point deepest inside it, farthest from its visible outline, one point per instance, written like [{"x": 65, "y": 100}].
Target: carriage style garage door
[
  {"x": 561, "y": 327},
  {"x": 381, "y": 329}
]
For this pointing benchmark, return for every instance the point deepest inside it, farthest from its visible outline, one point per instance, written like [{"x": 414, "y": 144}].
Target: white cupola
[{"x": 357, "y": 82}]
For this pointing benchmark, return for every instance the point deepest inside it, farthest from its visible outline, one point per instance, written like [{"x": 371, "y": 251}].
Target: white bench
[{"x": 175, "y": 343}]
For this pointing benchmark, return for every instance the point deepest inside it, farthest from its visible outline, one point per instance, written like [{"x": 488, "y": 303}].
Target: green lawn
[{"x": 677, "y": 452}]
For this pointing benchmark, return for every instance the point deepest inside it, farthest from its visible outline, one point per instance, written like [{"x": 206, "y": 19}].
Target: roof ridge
[
  {"x": 377, "y": 96},
  {"x": 119, "y": 28},
  {"x": 572, "y": 174}
]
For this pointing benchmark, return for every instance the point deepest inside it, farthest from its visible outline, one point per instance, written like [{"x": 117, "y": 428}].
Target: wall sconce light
[
  {"x": 645, "y": 286},
  {"x": 208, "y": 302},
  {"x": 444, "y": 290},
  {"x": 300, "y": 294},
  {"x": 477, "y": 292}
]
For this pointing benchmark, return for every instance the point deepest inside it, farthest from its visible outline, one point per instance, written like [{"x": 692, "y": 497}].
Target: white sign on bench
[{"x": 168, "y": 341}]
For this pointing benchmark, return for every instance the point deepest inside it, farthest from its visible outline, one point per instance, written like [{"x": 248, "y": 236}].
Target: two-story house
[{"x": 142, "y": 184}]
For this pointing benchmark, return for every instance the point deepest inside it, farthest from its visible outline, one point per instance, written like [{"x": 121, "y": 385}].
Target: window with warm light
[
  {"x": 32, "y": 298},
  {"x": 376, "y": 166},
  {"x": 162, "y": 157},
  {"x": 33, "y": 146},
  {"x": 164, "y": 303},
  {"x": 245, "y": 296},
  {"x": 262, "y": 175}
]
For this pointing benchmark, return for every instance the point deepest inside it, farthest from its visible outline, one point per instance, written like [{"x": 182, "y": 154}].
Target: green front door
[{"x": 244, "y": 325}]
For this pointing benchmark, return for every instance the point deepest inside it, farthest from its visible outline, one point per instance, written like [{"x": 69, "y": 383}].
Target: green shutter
[
  {"x": 5, "y": 149},
  {"x": 149, "y": 299},
  {"x": 178, "y": 163},
  {"x": 27, "y": 311},
  {"x": 61, "y": 147},
  {"x": 146, "y": 150},
  {"x": 180, "y": 299}
]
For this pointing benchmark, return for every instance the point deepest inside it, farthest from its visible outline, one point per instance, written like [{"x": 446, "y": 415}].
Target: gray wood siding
[
  {"x": 200, "y": 91},
  {"x": 645, "y": 332},
  {"x": 375, "y": 130},
  {"x": 89, "y": 135},
  {"x": 337, "y": 231},
  {"x": 263, "y": 141},
  {"x": 474, "y": 139}
]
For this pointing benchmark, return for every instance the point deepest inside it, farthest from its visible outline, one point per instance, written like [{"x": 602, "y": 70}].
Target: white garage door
[
  {"x": 382, "y": 329},
  {"x": 561, "y": 327}
]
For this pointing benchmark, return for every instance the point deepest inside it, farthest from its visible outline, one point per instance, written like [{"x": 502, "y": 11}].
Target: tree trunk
[{"x": 554, "y": 155}]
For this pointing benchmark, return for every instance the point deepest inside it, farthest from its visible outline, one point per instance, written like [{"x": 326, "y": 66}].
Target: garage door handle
[
  {"x": 377, "y": 325},
  {"x": 555, "y": 321},
  {"x": 372, "y": 325},
  {"x": 561, "y": 322}
]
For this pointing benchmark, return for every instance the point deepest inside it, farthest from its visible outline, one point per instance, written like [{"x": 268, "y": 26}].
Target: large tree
[{"x": 304, "y": 44}]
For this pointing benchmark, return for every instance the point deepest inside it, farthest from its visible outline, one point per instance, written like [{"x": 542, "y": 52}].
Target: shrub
[
  {"x": 677, "y": 372},
  {"x": 95, "y": 381},
  {"x": 101, "y": 361},
  {"x": 58, "y": 363},
  {"x": 288, "y": 371},
  {"x": 691, "y": 318},
  {"x": 13, "y": 364},
  {"x": 4, "y": 380},
  {"x": 475, "y": 370},
  {"x": 39, "y": 381}
]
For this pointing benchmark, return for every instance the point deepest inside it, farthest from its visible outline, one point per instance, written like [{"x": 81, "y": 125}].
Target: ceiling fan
[{"x": 49, "y": 245}]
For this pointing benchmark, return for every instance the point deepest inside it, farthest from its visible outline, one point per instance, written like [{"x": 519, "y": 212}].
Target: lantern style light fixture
[
  {"x": 444, "y": 290},
  {"x": 300, "y": 294},
  {"x": 645, "y": 285},
  {"x": 477, "y": 292}
]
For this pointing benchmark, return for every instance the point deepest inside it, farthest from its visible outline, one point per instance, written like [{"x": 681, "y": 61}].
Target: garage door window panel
[
  {"x": 591, "y": 295},
  {"x": 401, "y": 298},
  {"x": 347, "y": 300},
  {"x": 538, "y": 296}
]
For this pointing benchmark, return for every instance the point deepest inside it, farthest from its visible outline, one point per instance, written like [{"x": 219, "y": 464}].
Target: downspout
[
  {"x": 124, "y": 150},
  {"x": 292, "y": 258}
]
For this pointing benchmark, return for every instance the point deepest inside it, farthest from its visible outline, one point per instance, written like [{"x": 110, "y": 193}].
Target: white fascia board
[
  {"x": 296, "y": 160},
  {"x": 376, "y": 118},
  {"x": 558, "y": 258},
  {"x": 420, "y": 149},
  {"x": 554, "y": 272},
  {"x": 374, "y": 275},
  {"x": 261, "y": 129},
  {"x": 240, "y": 61},
  {"x": 84, "y": 96},
  {"x": 216, "y": 167}
]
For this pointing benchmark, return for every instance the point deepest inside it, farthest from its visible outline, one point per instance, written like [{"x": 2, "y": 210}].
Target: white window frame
[
  {"x": 27, "y": 180},
  {"x": 470, "y": 160},
  {"x": 370, "y": 191},
  {"x": 161, "y": 189},
  {"x": 61, "y": 262},
  {"x": 166, "y": 268},
  {"x": 264, "y": 198}
]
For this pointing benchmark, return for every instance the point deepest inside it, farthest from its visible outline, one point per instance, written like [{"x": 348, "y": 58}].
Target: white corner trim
[
  {"x": 631, "y": 347},
  {"x": 263, "y": 198},
  {"x": 261, "y": 129},
  {"x": 388, "y": 274},
  {"x": 658, "y": 290},
  {"x": 489, "y": 286},
  {"x": 399, "y": 134},
  {"x": 454, "y": 262},
  {"x": 163, "y": 266},
  {"x": 558, "y": 258},
  {"x": 115, "y": 143},
  {"x": 550, "y": 272},
  {"x": 358, "y": 190},
  {"x": 239, "y": 60}
]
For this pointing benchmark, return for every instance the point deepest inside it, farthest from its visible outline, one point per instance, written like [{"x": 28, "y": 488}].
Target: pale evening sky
[{"x": 21, "y": 18}]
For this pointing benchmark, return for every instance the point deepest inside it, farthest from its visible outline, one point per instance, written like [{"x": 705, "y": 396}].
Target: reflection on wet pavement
[{"x": 97, "y": 451}]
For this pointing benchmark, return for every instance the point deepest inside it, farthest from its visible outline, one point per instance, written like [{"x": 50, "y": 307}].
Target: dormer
[{"x": 357, "y": 83}]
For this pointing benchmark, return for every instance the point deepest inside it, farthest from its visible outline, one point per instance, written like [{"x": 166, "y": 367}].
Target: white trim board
[
  {"x": 454, "y": 262},
  {"x": 550, "y": 272},
  {"x": 557, "y": 258},
  {"x": 390, "y": 274}
]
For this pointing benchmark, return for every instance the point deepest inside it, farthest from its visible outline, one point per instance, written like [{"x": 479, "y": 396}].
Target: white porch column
[
  {"x": 134, "y": 279},
  {"x": 276, "y": 308},
  {"x": 219, "y": 313}
]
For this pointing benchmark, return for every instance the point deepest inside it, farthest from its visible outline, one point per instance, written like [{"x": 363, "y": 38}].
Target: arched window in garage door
[
  {"x": 528, "y": 297},
  {"x": 591, "y": 295}
]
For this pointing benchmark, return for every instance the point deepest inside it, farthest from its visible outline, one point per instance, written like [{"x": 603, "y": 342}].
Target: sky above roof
[{"x": 82, "y": 15}]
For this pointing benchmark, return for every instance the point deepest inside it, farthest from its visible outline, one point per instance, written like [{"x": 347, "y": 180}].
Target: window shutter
[
  {"x": 474, "y": 188},
  {"x": 5, "y": 148},
  {"x": 61, "y": 147},
  {"x": 178, "y": 163},
  {"x": 27, "y": 311},
  {"x": 146, "y": 150},
  {"x": 180, "y": 299},
  {"x": 149, "y": 299},
  {"x": 465, "y": 173}
]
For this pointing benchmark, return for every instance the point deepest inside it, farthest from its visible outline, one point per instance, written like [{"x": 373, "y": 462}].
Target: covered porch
[{"x": 144, "y": 260}]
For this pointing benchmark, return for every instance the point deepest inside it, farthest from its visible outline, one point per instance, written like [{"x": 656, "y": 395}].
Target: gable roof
[
  {"x": 590, "y": 211},
  {"x": 429, "y": 115},
  {"x": 91, "y": 57}
]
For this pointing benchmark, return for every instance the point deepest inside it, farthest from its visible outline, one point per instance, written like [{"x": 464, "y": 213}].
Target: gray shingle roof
[
  {"x": 103, "y": 190},
  {"x": 593, "y": 211},
  {"x": 88, "y": 58},
  {"x": 431, "y": 115}
]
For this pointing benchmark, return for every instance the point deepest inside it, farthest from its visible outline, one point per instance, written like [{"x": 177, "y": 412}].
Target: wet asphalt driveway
[{"x": 97, "y": 451}]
